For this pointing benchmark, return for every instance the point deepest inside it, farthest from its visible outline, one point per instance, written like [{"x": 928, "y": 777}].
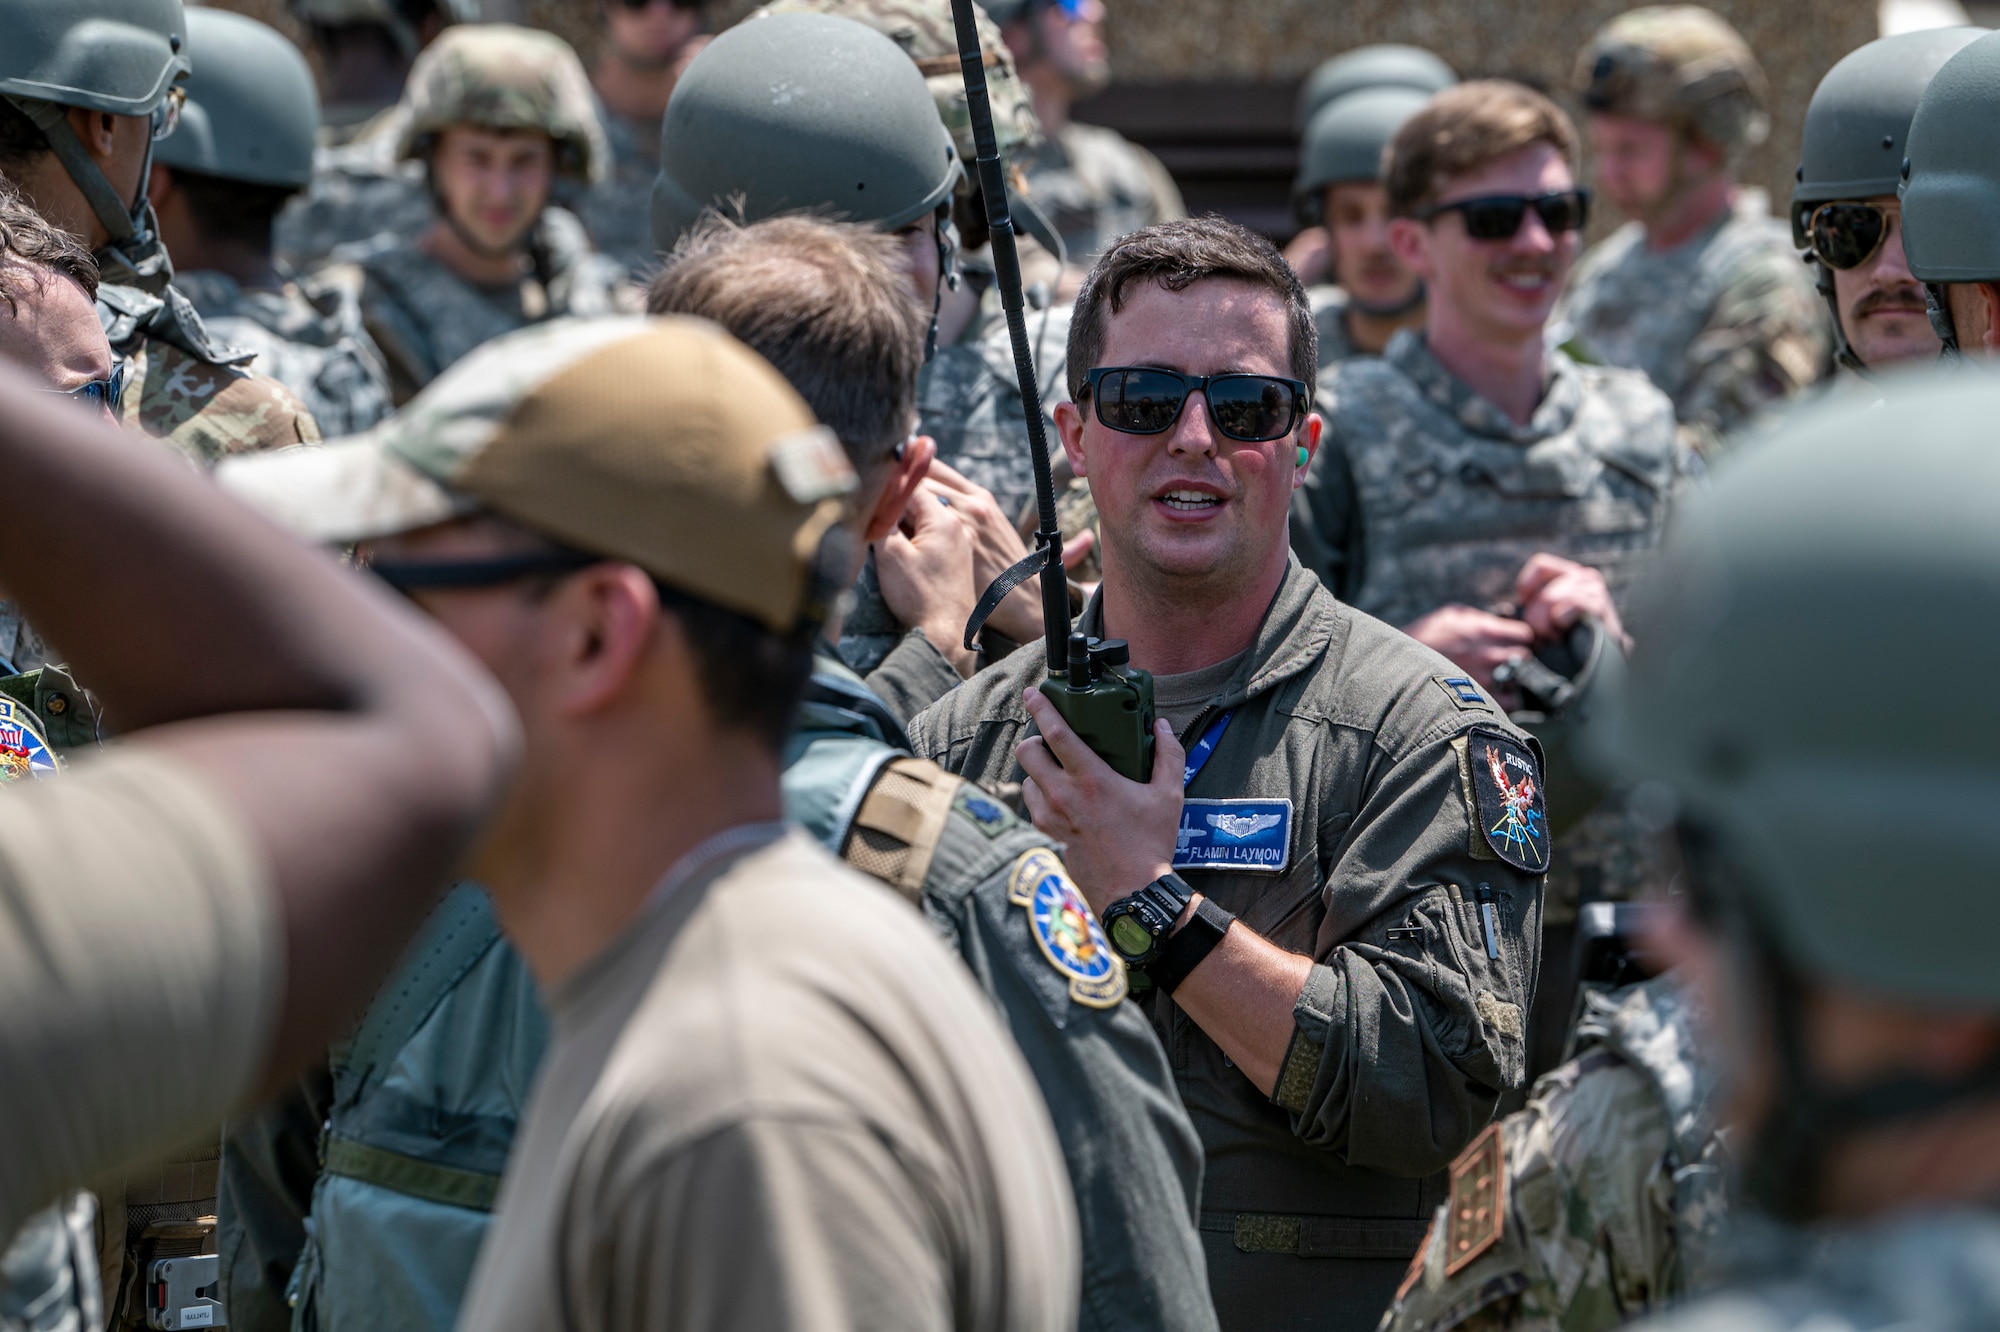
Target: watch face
[{"x": 1129, "y": 936}]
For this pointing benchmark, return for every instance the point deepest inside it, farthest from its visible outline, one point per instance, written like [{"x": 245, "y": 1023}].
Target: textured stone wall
[{"x": 1535, "y": 40}]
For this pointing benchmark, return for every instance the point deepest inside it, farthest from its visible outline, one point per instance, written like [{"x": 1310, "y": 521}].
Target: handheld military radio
[{"x": 1105, "y": 701}]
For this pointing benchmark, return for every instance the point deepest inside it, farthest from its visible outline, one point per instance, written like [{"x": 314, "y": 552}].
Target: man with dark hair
[
  {"x": 770, "y": 1096},
  {"x": 48, "y": 285},
  {"x": 245, "y": 147},
  {"x": 1488, "y": 495},
  {"x": 644, "y": 47},
  {"x": 1339, "y": 919},
  {"x": 82, "y": 162},
  {"x": 826, "y": 304}
]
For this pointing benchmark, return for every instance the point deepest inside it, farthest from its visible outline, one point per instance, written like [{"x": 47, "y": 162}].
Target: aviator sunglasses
[
  {"x": 1140, "y": 400},
  {"x": 1848, "y": 235},
  {"x": 1493, "y": 217}
]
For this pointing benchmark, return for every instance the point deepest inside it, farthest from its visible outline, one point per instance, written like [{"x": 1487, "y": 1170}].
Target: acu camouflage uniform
[
  {"x": 1727, "y": 324},
  {"x": 1096, "y": 185},
  {"x": 424, "y": 317},
  {"x": 1603, "y": 1199},
  {"x": 1329, "y": 309},
  {"x": 183, "y": 387},
  {"x": 359, "y": 190},
  {"x": 1424, "y": 494},
  {"x": 618, "y": 210},
  {"x": 309, "y": 337}
]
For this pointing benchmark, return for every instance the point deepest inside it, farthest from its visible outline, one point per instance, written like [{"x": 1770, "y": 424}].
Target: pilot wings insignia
[{"x": 1236, "y": 827}]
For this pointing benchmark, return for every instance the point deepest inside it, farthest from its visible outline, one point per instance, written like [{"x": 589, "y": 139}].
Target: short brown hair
[
  {"x": 827, "y": 303},
  {"x": 29, "y": 238},
  {"x": 1464, "y": 128},
  {"x": 1176, "y": 255}
]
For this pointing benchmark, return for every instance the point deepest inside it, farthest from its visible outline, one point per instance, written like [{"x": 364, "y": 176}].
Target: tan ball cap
[{"x": 662, "y": 442}]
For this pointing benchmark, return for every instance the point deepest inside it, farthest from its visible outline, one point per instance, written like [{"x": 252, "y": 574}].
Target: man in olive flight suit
[{"x": 1356, "y": 862}]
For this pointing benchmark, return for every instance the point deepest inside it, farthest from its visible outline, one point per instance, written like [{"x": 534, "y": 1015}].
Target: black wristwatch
[{"x": 1137, "y": 925}]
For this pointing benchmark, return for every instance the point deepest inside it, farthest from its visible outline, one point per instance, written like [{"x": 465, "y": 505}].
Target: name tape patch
[{"x": 1235, "y": 835}]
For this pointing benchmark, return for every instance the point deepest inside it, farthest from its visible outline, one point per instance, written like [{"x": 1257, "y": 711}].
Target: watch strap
[{"x": 1186, "y": 950}]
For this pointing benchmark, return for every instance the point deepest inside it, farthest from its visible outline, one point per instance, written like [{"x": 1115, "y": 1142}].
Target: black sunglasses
[
  {"x": 1139, "y": 400},
  {"x": 1848, "y": 235},
  {"x": 98, "y": 393},
  {"x": 408, "y": 576},
  {"x": 1493, "y": 217}
]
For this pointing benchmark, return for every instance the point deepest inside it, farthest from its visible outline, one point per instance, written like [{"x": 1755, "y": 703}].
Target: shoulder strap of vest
[
  {"x": 458, "y": 935},
  {"x": 900, "y": 823}
]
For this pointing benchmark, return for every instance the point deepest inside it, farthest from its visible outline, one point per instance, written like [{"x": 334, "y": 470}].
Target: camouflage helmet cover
[
  {"x": 795, "y": 112},
  {"x": 115, "y": 56},
  {"x": 1346, "y": 139},
  {"x": 1951, "y": 189},
  {"x": 1858, "y": 126},
  {"x": 1385, "y": 66},
  {"x": 1681, "y": 65},
  {"x": 251, "y": 112},
  {"x": 497, "y": 76},
  {"x": 923, "y": 28},
  {"x": 1852, "y": 810}
]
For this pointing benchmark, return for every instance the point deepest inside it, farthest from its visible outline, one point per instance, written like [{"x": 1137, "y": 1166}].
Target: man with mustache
[
  {"x": 1845, "y": 213},
  {"x": 1484, "y": 492},
  {"x": 1699, "y": 289}
]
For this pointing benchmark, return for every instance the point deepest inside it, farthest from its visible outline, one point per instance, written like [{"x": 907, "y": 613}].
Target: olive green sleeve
[
  {"x": 1407, "y": 1032},
  {"x": 912, "y": 677}
]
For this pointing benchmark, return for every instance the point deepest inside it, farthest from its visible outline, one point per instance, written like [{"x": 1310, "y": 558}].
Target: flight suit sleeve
[
  {"x": 912, "y": 677},
  {"x": 1134, "y": 1159},
  {"x": 270, "y": 1161},
  {"x": 1410, "y": 1027}
]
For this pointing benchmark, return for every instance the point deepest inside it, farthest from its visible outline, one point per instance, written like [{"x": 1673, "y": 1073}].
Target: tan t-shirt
[
  {"x": 778, "y": 1102},
  {"x": 141, "y": 966}
]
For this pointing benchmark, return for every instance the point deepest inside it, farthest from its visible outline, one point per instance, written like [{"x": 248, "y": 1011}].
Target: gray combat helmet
[
  {"x": 1951, "y": 182},
  {"x": 1839, "y": 823},
  {"x": 1385, "y": 66},
  {"x": 1345, "y": 140},
  {"x": 399, "y": 17},
  {"x": 123, "y": 57},
  {"x": 799, "y": 112},
  {"x": 251, "y": 112},
  {"x": 1857, "y": 131}
]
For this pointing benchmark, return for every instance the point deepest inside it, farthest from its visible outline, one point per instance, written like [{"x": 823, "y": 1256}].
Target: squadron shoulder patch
[
  {"x": 1508, "y": 801},
  {"x": 1065, "y": 929},
  {"x": 987, "y": 814},
  {"x": 22, "y": 751},
  {"x": 1477, "y": 1215}
]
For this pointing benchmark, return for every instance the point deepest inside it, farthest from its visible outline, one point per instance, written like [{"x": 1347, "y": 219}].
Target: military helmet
[
  {"x": 1858, "y": 125},
  {"x": 400, "y": 17},
  {"x": 1345, "y": 142},
  {"x": 115, "y": 56},
  {"x": 802, "y": 111},
  {"x": 1851, "y": 808},
  {"x": 923, "y": 28},
  {"x": 1682, "y": 65},
  {"x": 497, "y": 76},
  {"x": 1384, "y": 66},
  {"x": 1951, "y": 186},
  {"x": 251, "y": 112}
]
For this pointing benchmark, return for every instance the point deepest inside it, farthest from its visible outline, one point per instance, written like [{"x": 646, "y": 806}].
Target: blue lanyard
[{"x": 1204, "y": 748}]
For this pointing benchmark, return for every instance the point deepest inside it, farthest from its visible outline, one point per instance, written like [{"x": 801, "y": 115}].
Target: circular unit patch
[
  {"x": 1066, "y": 931},
  {"x": 22, "y": 751}
]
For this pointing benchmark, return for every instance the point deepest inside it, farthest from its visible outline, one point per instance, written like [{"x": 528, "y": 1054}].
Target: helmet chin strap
[
  {"x": 1414, "y": 302},
  {"x": 1938, "y": 306},
  {"x": 133, "y": 255},
  {"x": 946, "y": 234},
  {"x": 1843, "y": 352}
]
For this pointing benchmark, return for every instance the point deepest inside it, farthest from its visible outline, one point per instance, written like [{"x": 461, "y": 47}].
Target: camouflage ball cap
[
  {"x": 923, "y": 28},
  {"x": 496, "y": 76},
  {"x": 662, "y": 442},
  {"x": 1680, "y": 65}
]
